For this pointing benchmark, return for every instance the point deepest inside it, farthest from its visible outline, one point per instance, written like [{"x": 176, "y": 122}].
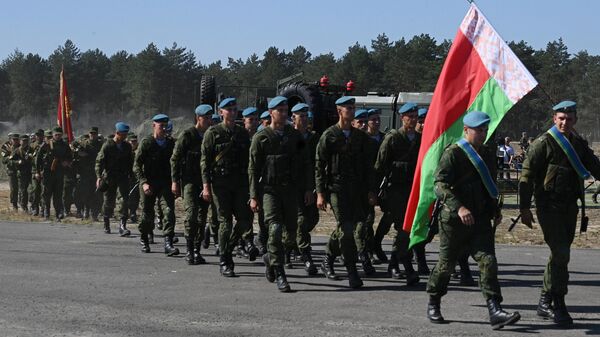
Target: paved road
[{"x": 73, "y": 280}]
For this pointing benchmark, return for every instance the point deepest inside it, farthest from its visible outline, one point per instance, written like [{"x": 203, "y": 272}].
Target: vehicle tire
[
  {"x": 208, "y": 94},
  {"x": 309, "y": 94}
]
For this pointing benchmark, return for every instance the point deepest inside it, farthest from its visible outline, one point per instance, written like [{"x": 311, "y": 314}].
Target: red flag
[{"x": 63, "y": 117}]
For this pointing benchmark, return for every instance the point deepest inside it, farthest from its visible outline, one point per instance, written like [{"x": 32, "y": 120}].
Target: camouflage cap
[{"x": 48, "y": 133}]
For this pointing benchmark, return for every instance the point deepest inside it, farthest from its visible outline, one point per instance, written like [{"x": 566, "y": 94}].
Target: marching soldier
[
  {"x": 88, "y": 153},
  {"x": 153, "y": 170},
  {"x": 224, "y": 167},
  {"x": 35, "y": 189},
  {"x": 396, "y": 163},
  {"x": 70, "y": 183},
  {"x": 186, "y": 180},
  {"x": 11, "y": 159},
  {"x": 134, "y": 195},
  {"x": 553, "y": 171},
  {"x": 341, "y": 168},
  {"x": 24, "y": 169},
  {"x": 278, "y": 159},
  {"x": 50, "y": 164},
  {"x": 465, "y": 181},
  {"x": 308, "y": 214},
  {"x": 113, "y": 170}
]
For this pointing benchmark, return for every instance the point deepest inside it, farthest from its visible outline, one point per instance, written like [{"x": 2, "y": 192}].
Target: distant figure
[
  {"x": 507, "y": 153},
  {"x": 524, "y": 142}
]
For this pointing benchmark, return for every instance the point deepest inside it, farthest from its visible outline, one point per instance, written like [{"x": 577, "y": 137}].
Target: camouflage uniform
[
  {"x": 11, "y": 159},
  {"x": 35, "y": 189},
  {"x": 88, "y": 153},
  {"x": 24, "y": 169},
  {"x": 50, "y": 162},
  {"x": 224, "y": 166}
]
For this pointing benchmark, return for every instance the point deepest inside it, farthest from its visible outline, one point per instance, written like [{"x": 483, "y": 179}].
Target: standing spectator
[{"x": 507, "y": 152}]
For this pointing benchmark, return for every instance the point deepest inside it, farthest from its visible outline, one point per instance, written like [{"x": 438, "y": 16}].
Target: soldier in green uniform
[
  {"x": 50, "y": 164},
  {"x": 134, "y": 195},
  {"x": 212, "y": 230},
  {"x": 308, "y": 214},
  {"x": 71, "y": 172},
  {"x": 88, "y": 153},
  {"x": 224, "y": 167},
  {"x": 153, "y": 169},
  {"x": 11, "y": 159},
  {"x": 341, "y": 169},
  {"x": 246, "y": 247},
  {"x": 279, "y": 163},
  {"x": 24, "y": 169},
  {"x": 465, "y": 181},
  {"x": 113, "y": 170},
  {"x": 35, "y": 189},
  {"x": 553, "y": 171},
  {"x": 396, "y": 163},
  {"x": 186, "y": 180}
]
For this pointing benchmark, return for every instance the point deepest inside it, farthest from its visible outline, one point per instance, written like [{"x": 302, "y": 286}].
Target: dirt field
[{"x": 520, "y": 235}]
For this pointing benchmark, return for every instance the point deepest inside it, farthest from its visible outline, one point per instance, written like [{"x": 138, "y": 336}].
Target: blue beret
[
  {"x": 361, "y": 113},
  {"x": 260, "y": 127},
  {"x": 249, "y": 111},
  {"x": 265, "y": 115},
  {"x": 216, "y": 118},
  {"x": 310, "y": 115},
  {"x": 423, "y": 112},
  {"x": 408, "y": 107},
  {"x": 277, "y": 101},
  {"x": 475, "y": 119},
  {"x": 300, "y": 107},
  {"x": 169, "y": 127},
  {"x": 160, "y": 118},
  {"x": 227, "y": 102},
  {"x": 565, "y": 106},
  {"x": 374, "y": 111},
  {"x": 203, "y": 110},
  {"x": 344, "y": 100},
  {"x": 121, "y": 127}
]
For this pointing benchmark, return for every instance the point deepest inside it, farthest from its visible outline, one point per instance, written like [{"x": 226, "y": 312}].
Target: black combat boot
[
  {"x": 327, "y": 267},
  {"x": 393, "y": 268},
  {"x": 412, "y": 276},
  {"x": 189, "y": 254},
  {"x": 169, "y": 249},
  {"x": 206, "y": 239},
  {"x": 229, "y": 271},
  {"x": 123, "y": 231},
  {"x": 353, "y": 279},
  {"x": 498, "y": 317},
  {"x": 434, "y": 313},
  {"x": 106, "y": 225},
  {"x": 288, "y": 260},
  {"x": 269, "y": 271},
  {"x": 282, "y": 283},
  {"x": 145, "y": 243},
  {"x": 545, "y": 308},
  {"x": 223, "y": 268},
  {"x": 133, "y": 217},
  {"x": 251, "y": 250},
  {"x": 561, "y": 314},
  {"x": 197, "y": 256},
  {"x": 365, "y": 260},
  {"x": 309, "y": 265}
]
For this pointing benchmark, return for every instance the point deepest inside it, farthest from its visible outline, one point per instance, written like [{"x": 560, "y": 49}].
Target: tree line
[{"x": 135, "y": 86}]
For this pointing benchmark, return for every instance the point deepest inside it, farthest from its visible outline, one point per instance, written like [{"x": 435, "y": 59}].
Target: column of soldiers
[{"x": 287, "y": 172}]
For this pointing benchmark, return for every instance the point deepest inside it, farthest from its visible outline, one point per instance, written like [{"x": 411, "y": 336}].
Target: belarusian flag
[{"x": 481, "y": 73}]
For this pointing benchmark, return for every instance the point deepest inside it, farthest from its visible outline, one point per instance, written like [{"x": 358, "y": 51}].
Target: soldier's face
[
  {"x": 300, "y": 120},
  {"x": 205, "y": 122},
  {"x": 56, "y": 136},
  {"x": 229, "y": 113},
  {"x": 93, "y": 136},
  {"x": 15, "y": 141},
  {"x": 346, "y": 112},
  {"x": 564, "y": 122},
  {"x": 251, "y": 122},
  {"x": 374, "y": 123},
  {"x": 476, "y": 136},
  {"x": 409, "y": 120},
  {"x": 119, "y": 136},
  {"x": 360, "y": 123},
  {"x": 160, "y": 129},
  {"x": 279, "y": 115}
]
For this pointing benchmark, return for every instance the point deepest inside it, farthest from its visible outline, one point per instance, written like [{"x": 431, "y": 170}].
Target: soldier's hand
[
  {"x": 527, "y": 217},
  {"x": 147, "y": 189},
  {"x": 206, "y": 195},
  {"x": 321, "y": 203},
  {"x": 372, "y": 198},
  {"x": 175, "y": 190},
  {"x": 254, "y": 205},
  {"x": 97, "y": 183},
  {"x": 37, "y": 176},
  {"x": 465, "y": 216},
  {"x": 309, "y": 198}
]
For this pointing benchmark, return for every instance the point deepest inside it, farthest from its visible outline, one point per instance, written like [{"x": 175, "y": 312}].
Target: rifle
[
  {"x": 584, "y": 219},
  {"x": 499, "y": 209},
  {"x": 134, "y": 188},
  {"x": 514, "y": 222},
  {"x": 383, "y": 186},
  {"x": 433, "y": 224}
]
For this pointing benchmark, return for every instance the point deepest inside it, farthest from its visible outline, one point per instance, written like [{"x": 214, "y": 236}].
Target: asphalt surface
[{"x": 73, "y": 280}]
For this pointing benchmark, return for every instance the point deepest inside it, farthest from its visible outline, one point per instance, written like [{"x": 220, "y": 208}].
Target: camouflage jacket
[
  {"x": 225, "y": 155},
  {"x": 185, "y": 162},
  {"x": 152, "y": 162},
  {"x": 113, "y": 161}
]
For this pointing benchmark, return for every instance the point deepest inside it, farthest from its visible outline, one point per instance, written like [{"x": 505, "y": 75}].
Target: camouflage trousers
[
  {"x": 281, "y": 213},
  {"x": 348, "y": 209}
]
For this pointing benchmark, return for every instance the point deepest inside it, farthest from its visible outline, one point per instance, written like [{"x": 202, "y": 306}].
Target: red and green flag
[
  {"x": 63, "y": 115},
  {"x": 481, "y": 73}
]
